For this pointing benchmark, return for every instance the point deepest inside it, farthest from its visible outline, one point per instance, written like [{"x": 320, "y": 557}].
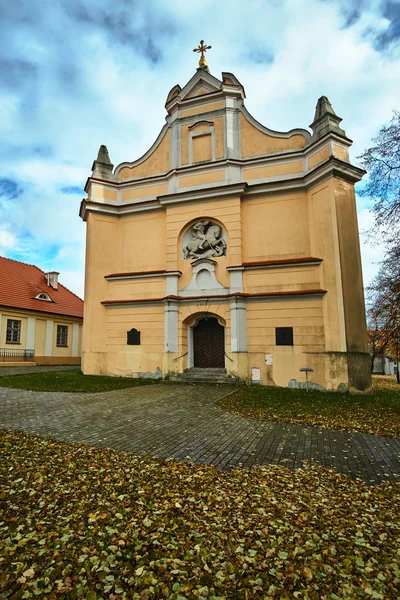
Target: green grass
[
  {"x": 70, "y": 381},
  {"x": 82, "y": 523},
  {"x": 378, "y": 413}
]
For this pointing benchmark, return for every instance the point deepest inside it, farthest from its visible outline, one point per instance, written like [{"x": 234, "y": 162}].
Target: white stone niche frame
[
  {"x": 204, "y": 282},
  {"x": 194, "y": 134},
  {"x": 190, "y": 328}
]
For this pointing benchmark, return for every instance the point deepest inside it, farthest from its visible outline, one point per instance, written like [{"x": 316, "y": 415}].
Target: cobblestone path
[{"x": 183, "y": 422}]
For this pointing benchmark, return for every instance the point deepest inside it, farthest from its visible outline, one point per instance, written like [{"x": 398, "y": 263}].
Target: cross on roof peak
[{"x": 202, "y": 49}]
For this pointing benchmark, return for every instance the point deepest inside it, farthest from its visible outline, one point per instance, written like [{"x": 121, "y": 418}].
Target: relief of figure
[{"x": 206, "y": 241}]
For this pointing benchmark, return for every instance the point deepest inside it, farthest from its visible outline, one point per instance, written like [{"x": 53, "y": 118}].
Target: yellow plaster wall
[
  {"x": 158, "y": 162},
  {"x": 134, "y": 289},
  {"x": 340, "y": 152},
  {"x": 202, "y": 109},
  {"x": 306, "y": 318},
  {"x": 202, "y": 178},
  {"x": 349, "y": 246},
  {"x": 202, "y": 148},
  {"x": 275, "y": 227},
  {"x": 254, "y": 142},
  {"x": 286, "y": 168},
  {"x": 142, "y": 242},
  {"x": 179, "y": 218},
  {"x": 40, "y": 337},
  {"x": 128, "y": 244},
  {"x": 219, "y": 139},
  {"x": 286, "y": 279},
  {"x": 104, "y": 193},
  {"x": 146, "y": 191},
  {"x": 103, "y": 252},
  {"x": 122, "y": 359},
  {"x": 325, "y": 245},
  {"x": 185, "y": 144},
  {"x": 319, "y": 157}
]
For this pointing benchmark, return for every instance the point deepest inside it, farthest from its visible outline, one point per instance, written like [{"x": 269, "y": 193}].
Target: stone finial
[
  {"x": 102, "y": 167},
  {"x": 325, "y": 119}
]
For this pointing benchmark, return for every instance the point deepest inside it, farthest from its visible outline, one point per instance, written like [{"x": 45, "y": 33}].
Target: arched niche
[{"x": 204, "y": 238}]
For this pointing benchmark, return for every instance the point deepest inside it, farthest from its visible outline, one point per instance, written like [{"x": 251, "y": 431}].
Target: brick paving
[{"x": 184, "y": 422}]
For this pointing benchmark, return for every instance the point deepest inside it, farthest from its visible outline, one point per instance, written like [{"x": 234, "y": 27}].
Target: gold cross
[{"x": 202, "y": 48}]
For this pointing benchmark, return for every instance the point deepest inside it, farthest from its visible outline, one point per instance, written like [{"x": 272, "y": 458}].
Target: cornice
[
  {"x": 262, "y": 160},
  {"x": 116, "y": 210},
  {"x": 199, "y": 194},
  {"x": 213, "y": 298},
  {"x": 276, "y": 264},
  {"x": 329, "y": 136},
  {"x": 141, "y": 275},
  {"x": 333, "y": 167}
]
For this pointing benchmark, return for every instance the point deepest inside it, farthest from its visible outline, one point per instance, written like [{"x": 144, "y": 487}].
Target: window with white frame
[
  {"x": 62, "y": 336},
  {"x": 13, "y": 335}
]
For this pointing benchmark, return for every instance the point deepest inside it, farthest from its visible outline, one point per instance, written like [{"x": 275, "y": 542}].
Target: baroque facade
[{"x": 227, "y": 245}]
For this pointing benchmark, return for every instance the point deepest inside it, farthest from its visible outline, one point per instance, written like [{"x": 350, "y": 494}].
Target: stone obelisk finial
[
  {"x": 102, "y": 167},
  {"x": 325, "y": 119}
]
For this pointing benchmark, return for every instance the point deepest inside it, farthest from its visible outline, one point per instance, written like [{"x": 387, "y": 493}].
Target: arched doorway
[{"x": 209, "y": 344}]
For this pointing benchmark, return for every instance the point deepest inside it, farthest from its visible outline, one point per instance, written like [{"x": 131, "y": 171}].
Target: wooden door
[{"x": 209, "y": 344}]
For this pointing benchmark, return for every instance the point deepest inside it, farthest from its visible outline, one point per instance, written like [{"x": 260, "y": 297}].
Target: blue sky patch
[{"x": 9, "y": 189}]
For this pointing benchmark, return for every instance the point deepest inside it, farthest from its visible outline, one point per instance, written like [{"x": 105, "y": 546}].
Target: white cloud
[{"x": 7, "y": 240}]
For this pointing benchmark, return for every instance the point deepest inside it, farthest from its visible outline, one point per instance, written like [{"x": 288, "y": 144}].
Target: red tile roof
[{"x": 20, "y": 283}]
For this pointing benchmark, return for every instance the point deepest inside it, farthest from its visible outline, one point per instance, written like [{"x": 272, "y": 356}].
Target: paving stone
[{"x": 184, "y": 422}]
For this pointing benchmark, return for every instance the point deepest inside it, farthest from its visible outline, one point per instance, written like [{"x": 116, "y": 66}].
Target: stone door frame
[{"x": 190, "y": 328}]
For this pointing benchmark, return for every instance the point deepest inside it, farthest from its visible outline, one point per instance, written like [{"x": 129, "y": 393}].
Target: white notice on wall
[
  {"x": 268, "y": 359},
  {"x": 255, "y": 374}
]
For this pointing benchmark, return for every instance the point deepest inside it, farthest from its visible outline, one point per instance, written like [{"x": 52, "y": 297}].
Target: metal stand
[{"x": 306, "y": 370}]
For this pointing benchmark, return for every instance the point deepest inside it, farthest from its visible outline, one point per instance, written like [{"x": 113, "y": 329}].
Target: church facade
[{"x": 227, "y": 245}]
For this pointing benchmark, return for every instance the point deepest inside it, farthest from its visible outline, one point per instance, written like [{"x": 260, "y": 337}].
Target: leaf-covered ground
[
  {"x": 70, "y": 381},
  {"x": 85, "y": 523},
  {"x": 378, "y": 413}
]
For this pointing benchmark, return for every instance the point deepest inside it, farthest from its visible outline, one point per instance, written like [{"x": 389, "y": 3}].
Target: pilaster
[
  {"x": 30, "y": 333},
  {"x": 49, "y": 338},
  {"x": 75, "y": 339},
  {"x": 238, "y": 325},
  {"x": 171, "y": 314}
]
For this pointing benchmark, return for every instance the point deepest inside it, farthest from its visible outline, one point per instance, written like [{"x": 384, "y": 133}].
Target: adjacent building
[
  {"x": 227, "y": 245},
  {"x": 40, "y": 319}
]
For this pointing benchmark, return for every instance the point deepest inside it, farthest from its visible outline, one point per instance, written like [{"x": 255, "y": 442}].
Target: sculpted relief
[{"x": 203, "y": 240}]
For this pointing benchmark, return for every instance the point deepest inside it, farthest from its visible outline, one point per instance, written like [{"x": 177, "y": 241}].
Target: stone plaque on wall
[{"x": 203, "y": 240}]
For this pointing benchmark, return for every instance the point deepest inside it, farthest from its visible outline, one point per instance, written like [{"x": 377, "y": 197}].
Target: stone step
[
  {"x": 206, "y": 381},
  {"x": 209, "y": 371},
  {"x": 212, "y": 376}
]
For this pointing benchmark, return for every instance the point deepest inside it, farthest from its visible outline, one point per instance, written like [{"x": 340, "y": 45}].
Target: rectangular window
[
  {"x": 284, "y": 336},
  {"x": 62, "y": 336},
  {"x": 13, "y": 335}
]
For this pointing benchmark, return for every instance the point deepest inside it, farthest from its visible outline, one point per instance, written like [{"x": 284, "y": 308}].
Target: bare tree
[
  {"x": 383, "y": 299},
  {"x": 382, "y": 162}
]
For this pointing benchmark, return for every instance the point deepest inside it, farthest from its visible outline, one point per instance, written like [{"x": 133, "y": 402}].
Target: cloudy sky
[{"x": 75, "y": 74}]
